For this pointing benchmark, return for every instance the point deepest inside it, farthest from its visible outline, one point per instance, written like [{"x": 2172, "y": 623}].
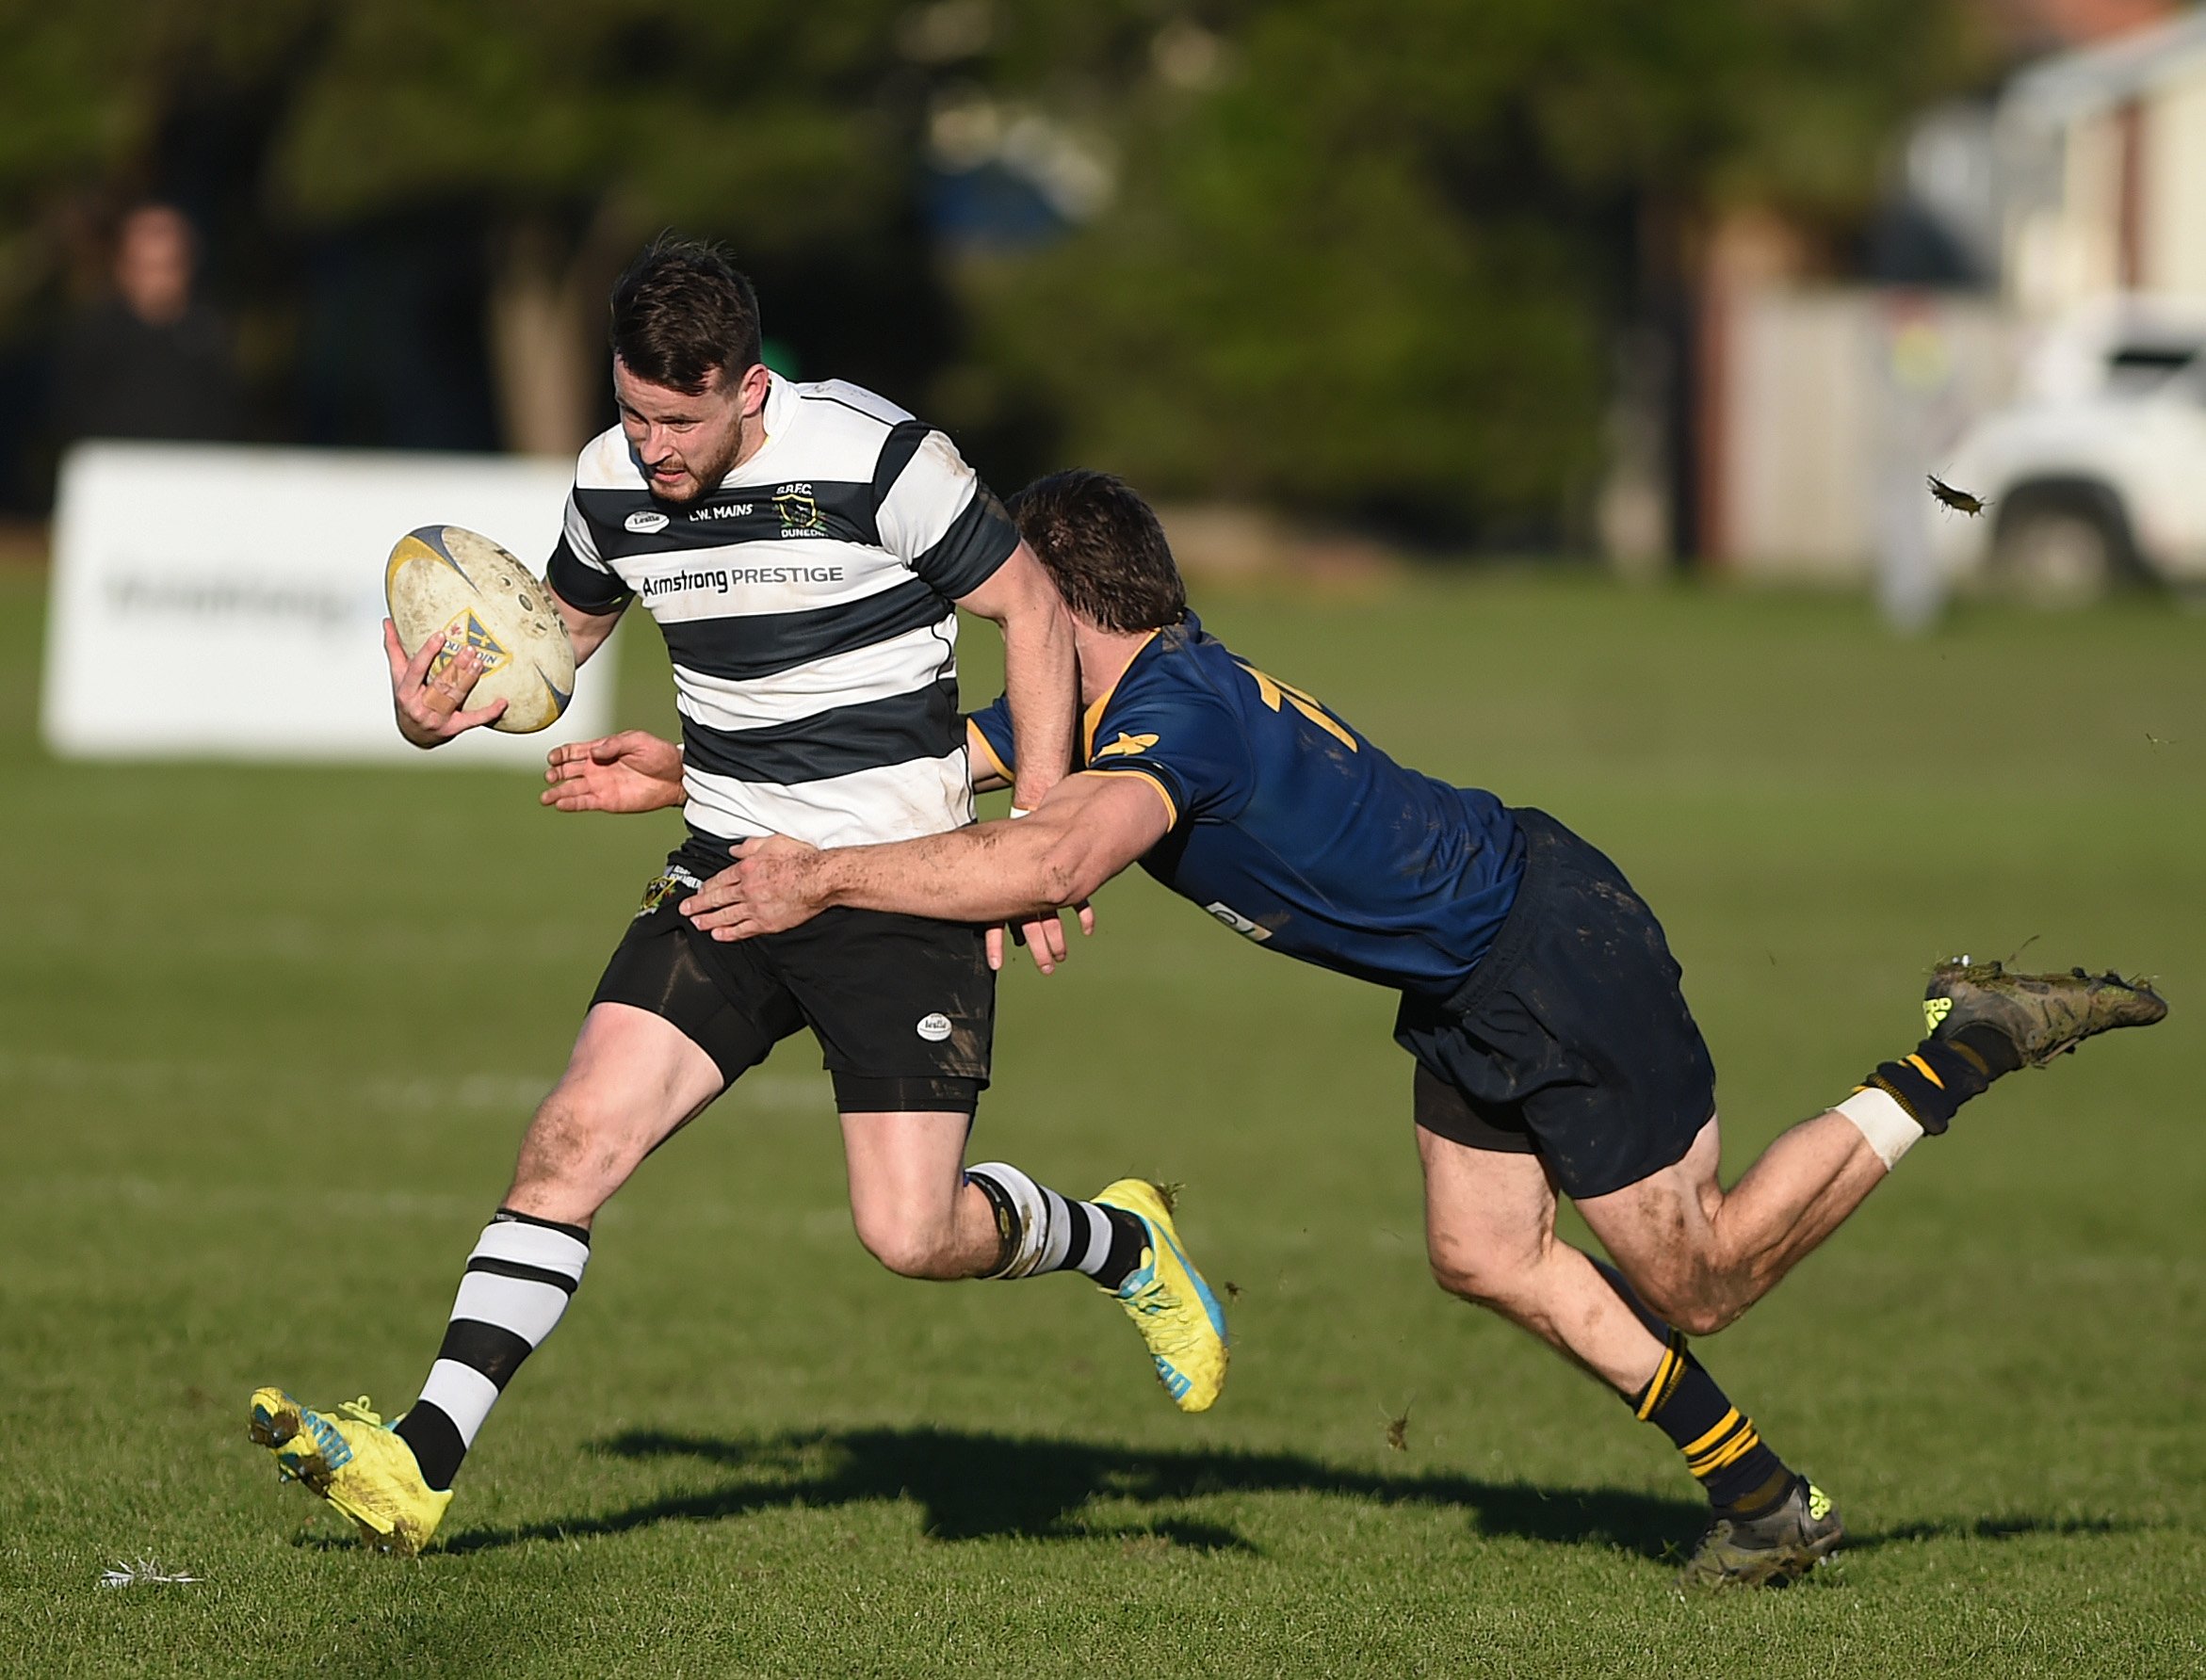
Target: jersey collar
[
  {"x": 1092, "y": 717},
  {"x": 779, "y": 413}
]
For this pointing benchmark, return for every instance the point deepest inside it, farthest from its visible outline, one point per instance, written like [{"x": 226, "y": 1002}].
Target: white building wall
[
  {"x": 2090, "y": 214},
  {"x": 1796, "y": 479},
  {"x": 2174, "y": 185},
  {"x": 1835, "y": 401}
]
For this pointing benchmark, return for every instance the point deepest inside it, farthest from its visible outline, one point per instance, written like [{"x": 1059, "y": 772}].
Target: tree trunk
[{"x": 547, "y": 294}]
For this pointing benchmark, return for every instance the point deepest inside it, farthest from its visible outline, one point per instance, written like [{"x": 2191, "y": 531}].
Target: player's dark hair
[
  {"x": 683, "y": 311},
  {"x": 1102, "y": 544}
]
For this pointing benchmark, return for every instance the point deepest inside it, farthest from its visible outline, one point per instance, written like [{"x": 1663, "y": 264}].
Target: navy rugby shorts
[{"x": 1570, "y": 1040}]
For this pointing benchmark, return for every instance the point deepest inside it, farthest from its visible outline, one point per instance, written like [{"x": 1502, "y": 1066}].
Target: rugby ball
[{"x": 444, "y": 580}]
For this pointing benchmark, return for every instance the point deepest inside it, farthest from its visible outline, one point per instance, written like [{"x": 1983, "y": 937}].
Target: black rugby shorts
[
  {"x": 904, "y": 1007},
  {"x": 1571, "y": 1038}
]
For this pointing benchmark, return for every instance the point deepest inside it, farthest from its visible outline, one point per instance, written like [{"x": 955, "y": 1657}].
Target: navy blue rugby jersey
[
  {"x": 1292, "y": 829},
  {"x": 806, "y": 602}
]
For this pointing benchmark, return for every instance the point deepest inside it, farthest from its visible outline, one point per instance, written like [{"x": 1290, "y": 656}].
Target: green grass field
[{"x": 268, "y": 1037}]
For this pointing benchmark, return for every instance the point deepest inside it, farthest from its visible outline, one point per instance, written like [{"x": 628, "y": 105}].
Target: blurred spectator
[{"x": 152, "y": 361}]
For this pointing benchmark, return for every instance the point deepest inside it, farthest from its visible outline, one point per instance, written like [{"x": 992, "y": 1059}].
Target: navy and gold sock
[
  {"x": 1725, "y": 1453},
  {"x": 1940, "y": 1075}
]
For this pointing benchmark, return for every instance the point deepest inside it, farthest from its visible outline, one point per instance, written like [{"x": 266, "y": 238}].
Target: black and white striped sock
[
  {"x": 1043, "y": 1231},
  {"x": 518, "y": 1281}
]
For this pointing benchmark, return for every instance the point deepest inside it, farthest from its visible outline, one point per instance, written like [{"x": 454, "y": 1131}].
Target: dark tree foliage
[
  {"x": 1377, "y": 266},
  {"x": 1371, "y": 261}
]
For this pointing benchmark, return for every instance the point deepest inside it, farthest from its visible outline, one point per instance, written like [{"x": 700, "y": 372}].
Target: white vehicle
[{"x": 2097, "y": 473}]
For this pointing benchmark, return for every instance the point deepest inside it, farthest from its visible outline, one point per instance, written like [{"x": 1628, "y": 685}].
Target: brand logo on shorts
[
  {"x": 645, "y": 522},
  {"x": 1239, "y": 923},
  {"x": 934, "y": 1028}
]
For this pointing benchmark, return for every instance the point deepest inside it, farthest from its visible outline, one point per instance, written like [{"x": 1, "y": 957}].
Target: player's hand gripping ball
[{"x": 447, "y": 581}]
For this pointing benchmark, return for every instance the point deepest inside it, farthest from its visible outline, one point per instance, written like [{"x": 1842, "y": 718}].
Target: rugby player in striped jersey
[{"x": 803, "y": 550}]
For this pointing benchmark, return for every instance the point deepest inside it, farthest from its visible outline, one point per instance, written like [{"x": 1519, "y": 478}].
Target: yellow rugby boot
[
  {"x": 351, "y": 1458},
  {"x": 1170, "y": 1304}
]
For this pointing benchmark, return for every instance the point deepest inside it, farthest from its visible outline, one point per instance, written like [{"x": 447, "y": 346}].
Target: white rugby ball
[{"x": 447, "y": 581}]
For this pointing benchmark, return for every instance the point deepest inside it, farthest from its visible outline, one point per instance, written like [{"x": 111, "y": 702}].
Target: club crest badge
[
  {"x": 467, "y": 631},
  {"x": 799, "y": 512}
]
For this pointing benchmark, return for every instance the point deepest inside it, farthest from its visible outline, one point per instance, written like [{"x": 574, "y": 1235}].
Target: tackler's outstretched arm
[{"x": 1091, "y": 826}]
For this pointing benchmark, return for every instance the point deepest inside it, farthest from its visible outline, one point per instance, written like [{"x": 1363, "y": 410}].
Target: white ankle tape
[
  {"x": 1891, "y": 1130},
  {"x": 1030, "y": 1204}
]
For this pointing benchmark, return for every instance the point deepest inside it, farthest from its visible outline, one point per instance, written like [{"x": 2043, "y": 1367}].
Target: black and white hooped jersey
[{"x": 807, "y": 602}]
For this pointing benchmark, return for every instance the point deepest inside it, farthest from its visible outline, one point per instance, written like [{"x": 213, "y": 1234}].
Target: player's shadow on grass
[
  {"x": 985, "y": 1486},
  {"x": 1988, "y": 1529}
]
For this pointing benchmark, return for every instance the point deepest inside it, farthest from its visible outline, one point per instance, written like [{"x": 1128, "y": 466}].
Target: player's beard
[{"x": 702, "y": 476}]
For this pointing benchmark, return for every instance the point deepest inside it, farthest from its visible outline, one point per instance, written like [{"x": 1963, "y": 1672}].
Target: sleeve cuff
[
  {"x": 580, "y": 584},
  {"x": 1165, "y": 792},
  {"x": 973, "y": 550},
  {"x": 975, "y": 734}
]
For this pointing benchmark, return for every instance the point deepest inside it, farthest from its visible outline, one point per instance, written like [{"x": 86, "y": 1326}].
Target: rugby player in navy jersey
[{"x": 1554, "y": 1051}]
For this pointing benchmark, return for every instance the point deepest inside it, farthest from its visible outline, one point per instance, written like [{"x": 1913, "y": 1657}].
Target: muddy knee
[
  {"x": 1692, "y": 1305},
  {"x": 1704, "y": 1318}
]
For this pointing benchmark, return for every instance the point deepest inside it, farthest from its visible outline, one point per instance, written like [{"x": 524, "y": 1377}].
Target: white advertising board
[{"x": 223, "y": 601}]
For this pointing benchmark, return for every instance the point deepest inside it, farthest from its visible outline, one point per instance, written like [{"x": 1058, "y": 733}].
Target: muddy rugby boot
[
  {"x": 1771, "y": 1550},
  {"x": 2042, "y": 1015},
  {"x": 350, "y": 1457}
]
